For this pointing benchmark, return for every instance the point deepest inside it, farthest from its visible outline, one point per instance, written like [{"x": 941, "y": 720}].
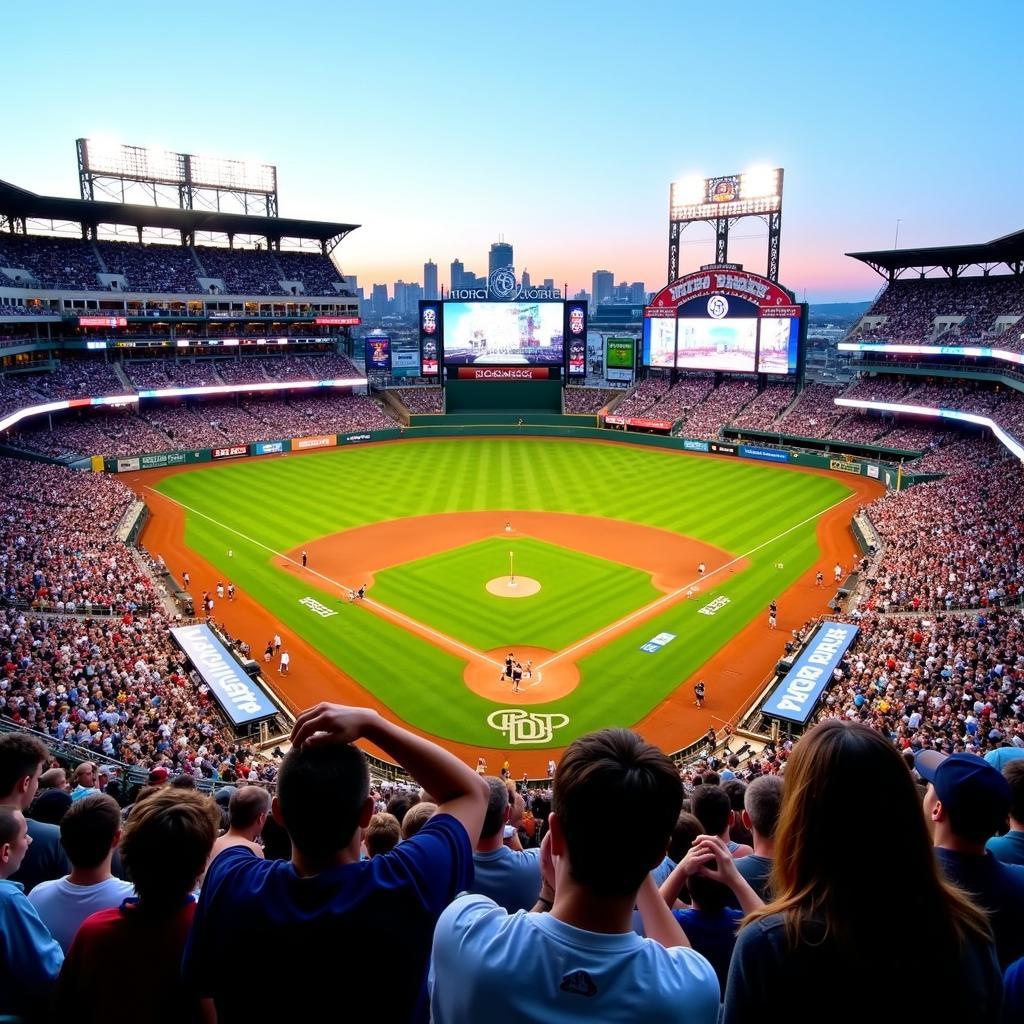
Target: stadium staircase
[
  {"x": 118, "y": 369},
  {"x": 99, "y": 257}
]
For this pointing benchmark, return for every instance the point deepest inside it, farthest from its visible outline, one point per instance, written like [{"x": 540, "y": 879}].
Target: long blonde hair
[{"x": 852, "y": 846}]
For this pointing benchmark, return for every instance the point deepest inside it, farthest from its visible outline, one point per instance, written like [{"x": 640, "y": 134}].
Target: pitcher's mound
[
  {"x": 483, "y": 675},
  {"x": 503, "y": 586}
]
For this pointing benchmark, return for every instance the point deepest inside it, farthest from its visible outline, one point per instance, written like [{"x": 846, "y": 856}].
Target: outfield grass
[
  {"x": 447, "y": 591},
  {"x": 281, "y": 503}
]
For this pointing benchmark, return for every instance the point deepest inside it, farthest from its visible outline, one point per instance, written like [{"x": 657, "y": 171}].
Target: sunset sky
[{"x": 558, "y": 126}]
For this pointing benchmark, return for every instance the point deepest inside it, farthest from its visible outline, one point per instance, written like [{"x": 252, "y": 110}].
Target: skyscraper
[
  {"x": 430, "y": 280},
  {"x": 457, "y": 275},
  {"x": 601, "y": 288},
  {"x": 379, "y": 302},
  {"x": 500, "y": 256},
  {"x": 526, "y": 279}
]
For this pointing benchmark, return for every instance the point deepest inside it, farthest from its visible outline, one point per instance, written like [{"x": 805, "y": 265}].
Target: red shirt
[{"x": 126, "y": 963}]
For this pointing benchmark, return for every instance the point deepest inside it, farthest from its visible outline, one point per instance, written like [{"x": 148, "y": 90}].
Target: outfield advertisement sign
[
  {"x": 656, "y": 643},
  {"x": 354, "y": 438},
  {"x": 270, "y": 447},
  {"x": 695, "y": 446},
  {"x": 242, "y": 699},
  {"x": 157, "y": 460},
  {"x": 749, "y": 451},
  {"x": 801, "y": 688},
  {"x": 841, "y": 466},
  {"x": 642, "y": 424},
  {"x": 234, "y": 451},
  {"x": 718, "y": 448},
  {"x": 302, "y": 444}
]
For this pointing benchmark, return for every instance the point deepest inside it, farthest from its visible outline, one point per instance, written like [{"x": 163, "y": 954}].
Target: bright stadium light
[
  {"x": 759, "y": 181},
  {"x": 688, "y": 191}
]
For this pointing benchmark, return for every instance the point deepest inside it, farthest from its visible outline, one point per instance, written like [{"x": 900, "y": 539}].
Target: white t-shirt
[
  {"x": 63, "y": 906},
  {"x": 563, "y": 973}
]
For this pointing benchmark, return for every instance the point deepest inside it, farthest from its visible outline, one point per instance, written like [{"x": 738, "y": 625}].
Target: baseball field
[{"x": 580, "y": 559}]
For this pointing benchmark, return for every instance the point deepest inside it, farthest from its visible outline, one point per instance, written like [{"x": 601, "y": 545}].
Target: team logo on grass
[
  {"x": 315, "y": 606},
  {"x": 525, "y": 726}
]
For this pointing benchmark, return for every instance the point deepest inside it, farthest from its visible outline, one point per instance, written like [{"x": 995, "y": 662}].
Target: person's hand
[
  {"x": 716, "y": 861},
  {"x": 331, "y": 723},
  {"x": 695, "y": 859}
]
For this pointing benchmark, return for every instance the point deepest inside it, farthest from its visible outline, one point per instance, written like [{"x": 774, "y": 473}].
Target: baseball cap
[
  {"x": 107, "y": 769},
  {"x": 971, "y": 789},
  {"x": 223, "y": 795},
  {"x": 159, "y": 774}
]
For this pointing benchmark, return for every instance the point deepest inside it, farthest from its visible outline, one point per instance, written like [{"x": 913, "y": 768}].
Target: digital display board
[
  {"x": 102, "y": 321},
  {"x": 430, "y": 332},
  {"x": 659, "y": 346},
  {"x": 378, "y": 353},
  {"x": 504, "y": 333},
  {"x": 707, "y": 344},
  {"x": 619, "y": 353},
  {"x": 778, "y": 344},
  {"x": 576, "y": 332}
]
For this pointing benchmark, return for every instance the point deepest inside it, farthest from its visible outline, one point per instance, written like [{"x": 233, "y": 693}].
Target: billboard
[
  {"x": 659, "y": 344},
  {"x": 378, "y": 353},
  {"x": 576, "y": 333},
  {"x": 703, "y": 343},
  {"x": 619, "y": 353},
  {"x": 778, "y": 344},
  {"x": 801, "y": 687},
  {"x": 430, "y": 336},
  {"x": 504, "y": 333}
]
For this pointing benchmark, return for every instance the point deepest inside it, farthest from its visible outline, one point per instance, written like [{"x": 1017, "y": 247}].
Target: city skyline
[{"x": 570, "y": 160}]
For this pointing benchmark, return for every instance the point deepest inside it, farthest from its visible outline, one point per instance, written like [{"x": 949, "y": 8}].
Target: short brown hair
[
  {"x": 20, "y": 755},
  {"x": 88, "y": 828},
  {"x": 246, "y": 805},
  {"x": 166, "y": 843},
  {"x": 615, "y": 768},
  {"x": 382, "y": 834}
]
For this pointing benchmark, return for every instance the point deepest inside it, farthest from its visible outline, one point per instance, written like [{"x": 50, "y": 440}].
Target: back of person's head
[
  {"x": 712, "y": 779},
  {"x": 497, "y": 808},
  {"x": 246, "y": 806},
  {"x": 762, "y": 802},
  {"x": 1013, "y": 772},
  {"x": 399, "y": 805},
  {"x": 276, "y": 843},
  {"x": 734, "y": 790},
  {"x": 712, "y": 806},
  {"x": 851, "y": 833},
  {"x": 321, "y": 792},
  {"x": 20, "y": 756},
  {"x": 707, "y": 895},
  {"x": 684, "y": 835},
  {"x": 182, "y": 782},
  {"x": 382, "y": 834},
  {"x": 615, "y": 768},
  {"x": 53, "y": 778},
  {"x": 88, "y": 829},
  {"x": 50, "y": 805},
  {"x": 417, "y": 817},
  {"x": 166, "y": 842}
]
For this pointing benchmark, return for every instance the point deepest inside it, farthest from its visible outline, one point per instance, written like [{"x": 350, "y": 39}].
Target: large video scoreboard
[{"x": 724, "y": 319}]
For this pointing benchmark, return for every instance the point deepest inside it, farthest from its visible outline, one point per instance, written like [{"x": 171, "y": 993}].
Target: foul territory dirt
[{"x": 734, "y": 674}]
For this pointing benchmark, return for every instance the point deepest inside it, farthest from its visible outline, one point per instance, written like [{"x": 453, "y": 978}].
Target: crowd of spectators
[
  {"x": 244, "y": 272},
  {"x": 688, "y": 391},
  {"x": 579, "y": 401},
  {"x": 49, "y": 262},
  {"x": 718, "y": 409},
  {"x": 102, "y": 431},
  {"x": 761, "y": 413},
  {"x": 815, "y": 412},
  {"x": 422, "y": 401},
  {"x": 317, "y": 272},
  {"x": 643, "y": 396},
  {"x": 151, "y": 268}
]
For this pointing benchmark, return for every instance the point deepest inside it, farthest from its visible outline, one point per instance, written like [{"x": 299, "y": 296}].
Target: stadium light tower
[{"x": 721, "y": 202}]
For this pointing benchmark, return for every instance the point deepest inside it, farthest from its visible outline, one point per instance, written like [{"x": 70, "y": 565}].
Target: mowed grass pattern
[
  {"x": 448, "y": 591},
  {"x": 284, "y": 502}
]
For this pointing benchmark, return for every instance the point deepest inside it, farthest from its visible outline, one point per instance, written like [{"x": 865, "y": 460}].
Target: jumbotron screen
[
  {"x": 709, "y": 344},
  {"x": 659, "y": 344},
  {"x": 779, "y": 346},
  {"x": 503, "y": 333}
]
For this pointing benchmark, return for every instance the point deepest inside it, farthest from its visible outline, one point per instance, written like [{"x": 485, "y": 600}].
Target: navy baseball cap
[{"x": 967, "y": 785}]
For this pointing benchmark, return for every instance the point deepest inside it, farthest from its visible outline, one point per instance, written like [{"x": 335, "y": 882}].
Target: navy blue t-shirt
[
  {"x": 713, "y": 935},
  {"x": 354, "y": 937}
]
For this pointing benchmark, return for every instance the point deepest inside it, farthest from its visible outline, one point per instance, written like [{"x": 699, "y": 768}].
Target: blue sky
[{"x": 559, "y": 125}]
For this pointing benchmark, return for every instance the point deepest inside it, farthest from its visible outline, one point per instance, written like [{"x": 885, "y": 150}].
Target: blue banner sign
[
  {"x": 270, "y": 447},
  {"x": 749, "y": 451},
  {"x": 801, "y": 687},
  {"x": 656, "y": 643},
  {"x": 241, "y": 698},
  {"x": 695, "y": 446}
]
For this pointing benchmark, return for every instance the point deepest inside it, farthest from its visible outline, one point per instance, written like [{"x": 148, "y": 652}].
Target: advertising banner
[
  {"x": 337, "y": 321},
  {"x": 846, "y": 467},
  {"x": 749, "y": 451},
  {"x": 576, "y": 337},
  {"x": 695, "y": 446},
  {"x": 430, "y": 334},
  {"x": 242, "y": 699},
  {"x": 354, "y": 438},
  {"x": 719, "y": 448},
  {"x": 801, "y": 688},
  {"x": 621, "y": 421},
  {"x": 503, "y": 373},
  {"x": 233, "y": 451},
  {"x": 158, "y": 460},
  {"x": 378, "y": 353},
  {"x": 301, "y": 444},
  {"x": 873, "y": 470},
  {"x": 405, "y": 362},
  {"x": 270, "y": 447}
]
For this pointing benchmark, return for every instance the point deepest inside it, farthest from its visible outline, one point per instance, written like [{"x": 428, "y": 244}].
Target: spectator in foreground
[
  {"x": 576, "y": 957},
  {"x": 850, "y": 840},
  {"x": 416, "y": 817},
  {"x": 29, "y": 956},
  {"x": 383, "y": 833},
  {"x": 761, "y": 804},
  {"x": 967, "y": 802},
  {"x": 327, "y": 915},
  {"x": 509, "y": 877},
  {"x": 247, "y": 813},
  {"x": 712, "y": 806},
  {"x": 165, "y": 845},
  {"x": 22, "y": 759},
  {"x": 89, "y": 833},
  {"x": 1009, "y": 848}
]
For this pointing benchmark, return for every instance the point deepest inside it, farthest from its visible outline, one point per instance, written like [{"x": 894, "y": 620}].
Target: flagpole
[{"x": 511, "y": 571}]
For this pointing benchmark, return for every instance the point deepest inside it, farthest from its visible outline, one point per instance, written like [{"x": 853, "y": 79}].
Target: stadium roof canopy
[
  {"x": 952, "y": 260},
  {"x": 18, "y": 204}
]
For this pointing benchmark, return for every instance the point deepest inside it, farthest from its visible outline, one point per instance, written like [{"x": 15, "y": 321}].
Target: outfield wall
[{"x": 884, "y": 473}]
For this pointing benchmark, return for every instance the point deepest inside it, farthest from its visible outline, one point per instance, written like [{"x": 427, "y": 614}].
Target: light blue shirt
[
  {"x": 509, "y": 877},
  {"x": 562, "y": 973},
  {"x": 1002, "y": 756},
  {"x": 30, "y": 958}
]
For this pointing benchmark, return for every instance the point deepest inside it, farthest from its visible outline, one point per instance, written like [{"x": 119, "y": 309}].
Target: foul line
[
  {"x": 386, "y": 610},
  {"x": 673, "y": 595}
]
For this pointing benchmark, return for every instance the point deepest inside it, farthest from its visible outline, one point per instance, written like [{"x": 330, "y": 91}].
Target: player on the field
[{"x": 698, "y": 692}]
